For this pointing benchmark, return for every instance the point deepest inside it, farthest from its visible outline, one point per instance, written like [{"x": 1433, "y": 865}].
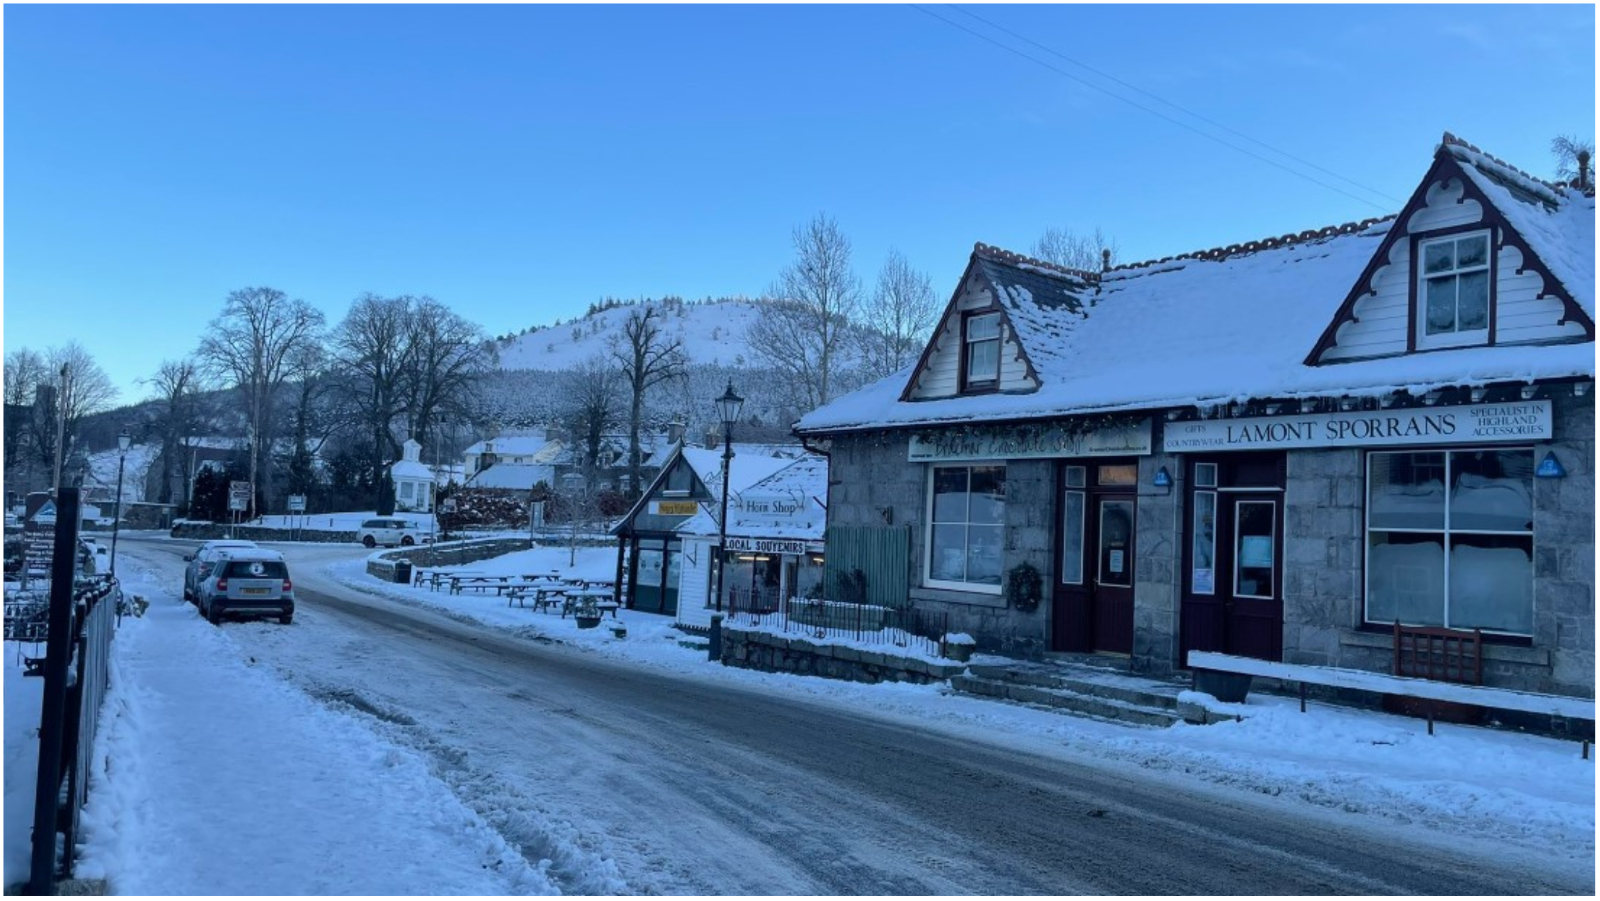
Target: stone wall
[
  {"x": 873, "y": 483},
  {"x": 1324, "y": 563},
  {"x": 1157, "y": 558},
  {"x": 454, "y": 553},
  {"x": 207, "y": 531},
  {"x": 775, "y": 654}
]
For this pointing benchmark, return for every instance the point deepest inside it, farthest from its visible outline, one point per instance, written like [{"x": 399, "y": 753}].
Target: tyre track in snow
[{"x": 697, "y": 788}]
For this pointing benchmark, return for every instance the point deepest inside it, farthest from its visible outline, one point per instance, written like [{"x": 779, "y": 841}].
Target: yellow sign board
[{"x": 677, "y": 508}]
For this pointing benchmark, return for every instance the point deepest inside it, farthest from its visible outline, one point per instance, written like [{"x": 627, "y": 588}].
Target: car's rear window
[{"x": 258, "y": 569}]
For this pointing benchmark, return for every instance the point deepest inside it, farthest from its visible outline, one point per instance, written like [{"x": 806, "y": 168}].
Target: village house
[{"x": 1278, "y": 449}]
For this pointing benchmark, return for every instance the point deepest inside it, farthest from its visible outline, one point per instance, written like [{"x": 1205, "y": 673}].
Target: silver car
[
  {"x": 201, "y": 561},
  {"x": 248, "y": 582}
]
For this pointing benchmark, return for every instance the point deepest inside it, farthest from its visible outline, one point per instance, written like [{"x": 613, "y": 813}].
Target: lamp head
[
  {"x": 729, "y": 405},
  {"x": 124, "y": 440}
]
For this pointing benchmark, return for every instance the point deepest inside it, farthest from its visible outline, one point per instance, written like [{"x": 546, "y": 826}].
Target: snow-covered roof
[
  {"x": 520, "y": 476},
  {"x": 507, "y": 445},
  {"x": 1231, "y": 325},
  {"x": 1557, "y": 221},
  {"x": 410, "y": 469},
  {"x": 803, "y": 481},
  {"x": 748, "y": 467}
]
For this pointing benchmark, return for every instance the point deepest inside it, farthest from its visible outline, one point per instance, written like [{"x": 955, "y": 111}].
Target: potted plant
[
  {"x": 958, "y": 646},
  {"x": 587, "y": 615}
]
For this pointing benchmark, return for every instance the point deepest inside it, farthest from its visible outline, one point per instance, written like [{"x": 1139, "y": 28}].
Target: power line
[
  {"x": 1188, "y": 112},
  {"x": 1157, "y": 113}
]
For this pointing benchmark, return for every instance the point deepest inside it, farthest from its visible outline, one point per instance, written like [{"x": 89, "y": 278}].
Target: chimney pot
[
  {"x": 1105, "y": 259},
  {"x": 1583, "y": 169}
]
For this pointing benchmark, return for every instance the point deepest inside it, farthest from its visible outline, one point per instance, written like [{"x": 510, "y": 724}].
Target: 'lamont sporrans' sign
[
  {"x": 1519, "y": 421},
  {"x": 1030, "y": 443}
]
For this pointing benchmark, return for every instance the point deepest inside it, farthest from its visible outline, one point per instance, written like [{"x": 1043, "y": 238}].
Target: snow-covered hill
[{"x": 713, "y": 333}]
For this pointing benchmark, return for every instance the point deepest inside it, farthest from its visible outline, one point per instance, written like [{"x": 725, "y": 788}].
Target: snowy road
[{"x": 633, "y": 780}]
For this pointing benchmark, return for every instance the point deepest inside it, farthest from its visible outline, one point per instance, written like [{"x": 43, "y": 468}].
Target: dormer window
[
  {"x": 1453, "y": 290},
  {"x": 981, "y": 357}
]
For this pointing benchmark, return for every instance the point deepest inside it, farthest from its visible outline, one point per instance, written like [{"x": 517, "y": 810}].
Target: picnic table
[
  {"x": 598, "y": 595},
  {"x": 478, "y": 582},
  {"x": 543, "y": 593}
]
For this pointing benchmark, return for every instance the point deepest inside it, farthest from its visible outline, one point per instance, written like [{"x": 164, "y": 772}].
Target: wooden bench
[
  {"x": 1581, "y": 709},
  {"x": 1445, "y": 655}
]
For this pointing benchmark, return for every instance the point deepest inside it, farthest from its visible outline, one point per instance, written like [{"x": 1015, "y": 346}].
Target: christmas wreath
[{"x": 1024, "y": 587}]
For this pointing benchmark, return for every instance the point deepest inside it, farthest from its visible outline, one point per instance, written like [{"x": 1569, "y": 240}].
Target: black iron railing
[{"x": 867, "y": 624}]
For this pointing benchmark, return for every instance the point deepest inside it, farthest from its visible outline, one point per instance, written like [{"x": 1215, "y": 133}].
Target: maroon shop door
[
  {"x": 1233, "y": 593},
  {"x": 1092, "y": 601}
]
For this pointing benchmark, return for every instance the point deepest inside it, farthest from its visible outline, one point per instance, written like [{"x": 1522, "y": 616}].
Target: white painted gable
[{"x": 940, "y": 376}]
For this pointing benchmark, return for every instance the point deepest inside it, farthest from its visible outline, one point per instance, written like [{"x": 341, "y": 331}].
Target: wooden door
[
  {"x": 1254, "y": 593},
  {"x": 1114, "y": 550}
]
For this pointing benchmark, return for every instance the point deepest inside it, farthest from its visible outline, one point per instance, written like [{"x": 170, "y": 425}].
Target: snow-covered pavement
[{"x": 216, "y": 774}]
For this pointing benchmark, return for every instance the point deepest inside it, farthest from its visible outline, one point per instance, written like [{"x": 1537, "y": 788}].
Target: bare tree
[
  {"x": 449, "y": 358},
  {"x": 1567, "y": 150},
  {"x": 372, "y": 351},
  {"x": 1066, "y": 248},
  {"x": 25, "y": 371},
  {"x": 803, "y": 329},
  {"x": 178, "y": 416},
  {"x": 593, "y": 407},
  {"x": 648, "y": 357},
  {"x": 898, "y": 318},
  {"x": 256, "y": 345}
]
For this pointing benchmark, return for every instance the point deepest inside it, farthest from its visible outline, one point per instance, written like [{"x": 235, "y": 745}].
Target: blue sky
[{"x": 519, "y": 162}]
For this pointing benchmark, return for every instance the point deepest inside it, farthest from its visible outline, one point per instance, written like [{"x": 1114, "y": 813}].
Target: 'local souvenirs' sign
[
  {"x": 1517, "y": 421},
  {"x": 1030, "y": 443},
  {"x": 766, "y": 545}
]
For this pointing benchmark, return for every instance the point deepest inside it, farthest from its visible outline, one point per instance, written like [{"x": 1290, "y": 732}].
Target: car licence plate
[{"x": 256, "y": 591}]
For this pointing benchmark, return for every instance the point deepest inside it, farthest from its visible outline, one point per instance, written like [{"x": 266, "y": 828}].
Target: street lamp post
[
  {"x": 123, "y": 441},
  {"x": 728, "y": 407}
]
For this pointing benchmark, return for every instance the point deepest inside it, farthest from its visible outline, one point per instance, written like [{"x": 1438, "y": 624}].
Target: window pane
[
  {"x": 1075, "y": 476},
  {"x": 950, "y": 495},
  {"x": 1116, "y": 543},
  {"x": 1205, "y": 475},
  {"x": 1473, "y": 251},
  {"x": 948, "y": 560},
  {"x": 1204, "y": 574},
  {"x": 1127, "y": 474},
  {"x": 981, "y": 327},
  {"x": 1405, "y": 578},
  {"x": 1253, "y": 555},
  {"x": 1441, "y": 305},
  {"x": 1439, "y": 257},
  {"x": 1491, "y": 583},
  {"x": 1406, "y": 491},
  {"x": 1072, "y": 538},
  {"x": 983, "y": 361},
  {"x": 1472, "y": 301},
  {"x": 988, "y": 494},
  {"x": 983, "y": 555},
  {"x": 1491, "y": 491}
]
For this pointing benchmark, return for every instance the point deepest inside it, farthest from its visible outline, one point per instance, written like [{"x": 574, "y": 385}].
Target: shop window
[
  {"x": 981, "y": 371},
  {"x": 1450, "y": 539},
  {"x": 1453, "y": 290},
  {"x": 966, "y": 526}
]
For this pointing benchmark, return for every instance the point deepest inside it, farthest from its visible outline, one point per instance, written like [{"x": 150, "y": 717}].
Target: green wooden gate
[{"x": 882, "y": 556}]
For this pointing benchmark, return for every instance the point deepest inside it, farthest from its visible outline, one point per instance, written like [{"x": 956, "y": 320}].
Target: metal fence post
[{"x": 58, "y": 651}]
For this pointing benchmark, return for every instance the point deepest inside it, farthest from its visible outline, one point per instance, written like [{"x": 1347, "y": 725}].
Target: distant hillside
[{"x": 713, "y": 334}]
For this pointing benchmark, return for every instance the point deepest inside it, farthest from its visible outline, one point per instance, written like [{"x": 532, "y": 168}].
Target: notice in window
[
  {"x": 1255, "y": 551},
  {"x": 1116, "y": 561},
  {"x": 1204, "y": 581}
]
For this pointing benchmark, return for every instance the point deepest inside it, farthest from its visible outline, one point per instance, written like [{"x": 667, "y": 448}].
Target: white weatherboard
[{"x": 1519, "y": 421}]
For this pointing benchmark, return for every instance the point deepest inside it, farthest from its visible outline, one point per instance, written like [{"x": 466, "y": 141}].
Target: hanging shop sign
[
  {"x": 677, "y": 508},
  {"x": 787, "y": 506},
  {"x": 766, "y": 545},
  {"x": 1030, "y": 443},
  {"x": 1480, "y": 423}
]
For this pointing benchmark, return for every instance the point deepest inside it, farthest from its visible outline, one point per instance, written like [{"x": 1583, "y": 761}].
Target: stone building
[{"x": 1277, "y": 449}]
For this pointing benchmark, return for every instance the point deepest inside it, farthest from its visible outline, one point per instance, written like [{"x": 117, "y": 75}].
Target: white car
[
  {"x": 201, "y": 561},
  {"x": 250, "y": 582},
  {"x": 390, "y": 532}
]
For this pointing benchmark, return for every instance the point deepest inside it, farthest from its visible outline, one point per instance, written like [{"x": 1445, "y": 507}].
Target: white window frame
[
  {"x": 1445, "y": 531},
  {"x": 1238, "y": 564},
  {"x": 967, "y": 343},
  {"x": 1456, "y": 338},
  {"x": 1075, "y": 487},
  {"x": 927, "y": 532}
]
